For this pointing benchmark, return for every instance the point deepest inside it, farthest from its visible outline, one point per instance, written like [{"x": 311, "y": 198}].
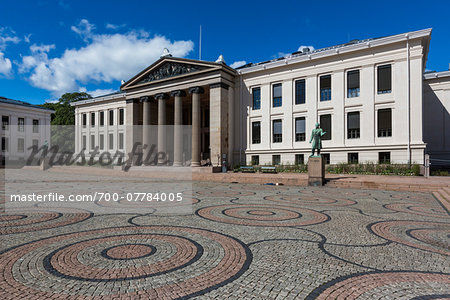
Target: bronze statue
[{"x": 316, "y": 139}]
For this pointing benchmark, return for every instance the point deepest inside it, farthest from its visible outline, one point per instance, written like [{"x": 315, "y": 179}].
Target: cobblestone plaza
[{"x": 241, "y": 241}]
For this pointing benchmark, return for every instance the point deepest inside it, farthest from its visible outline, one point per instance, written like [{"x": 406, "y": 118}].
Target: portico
[{"x": 178, "y": 92}]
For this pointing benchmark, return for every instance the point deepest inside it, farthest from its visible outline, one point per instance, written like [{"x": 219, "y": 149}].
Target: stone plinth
[
  {"x": 316, "y": 171},
  {"x": 44, "y": 164}
]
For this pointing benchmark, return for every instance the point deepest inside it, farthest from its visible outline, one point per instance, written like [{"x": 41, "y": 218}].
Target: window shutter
[
  {"x": 277, "y": 127},
  {"x": 353, "y": 120},
  {"x": 300, "y": 125},
  {"x": 353, "y": 79},
  {"x": 277, "y": 91},
  {"x": 325, "y": 82},
  {"x": 384, "y": 118},
  {"x": 384, "y": 78}
]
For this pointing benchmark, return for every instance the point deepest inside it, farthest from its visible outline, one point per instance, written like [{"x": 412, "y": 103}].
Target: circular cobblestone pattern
[
  {"x": 168, "y": 261},
  {"x": 262, "y": 215}
]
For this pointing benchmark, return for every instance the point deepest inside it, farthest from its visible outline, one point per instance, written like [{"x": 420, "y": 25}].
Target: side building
[{"x": 23, "y": 125}]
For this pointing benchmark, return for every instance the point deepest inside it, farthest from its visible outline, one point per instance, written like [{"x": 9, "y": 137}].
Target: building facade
[
  {"x": 23, "y": 126},
  {"x": 370, "y": 96}
]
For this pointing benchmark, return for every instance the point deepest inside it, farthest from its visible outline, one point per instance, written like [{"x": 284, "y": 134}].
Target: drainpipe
[
  {"x": 408, "y": 98},
  {"x": 240, "y": 119}
]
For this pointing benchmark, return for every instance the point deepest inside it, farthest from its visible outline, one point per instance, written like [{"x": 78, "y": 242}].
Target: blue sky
[{"x": 49, "y": 47}]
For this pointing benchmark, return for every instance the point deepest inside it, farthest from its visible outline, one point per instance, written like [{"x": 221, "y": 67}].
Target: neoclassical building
[{"x": 372, "y": 97}]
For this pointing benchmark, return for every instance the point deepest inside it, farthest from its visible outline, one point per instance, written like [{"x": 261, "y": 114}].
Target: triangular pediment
[{"x": 169, "y": 68}]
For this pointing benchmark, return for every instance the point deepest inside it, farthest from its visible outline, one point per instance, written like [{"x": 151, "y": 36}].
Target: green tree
[{"x": 63, "y": 120}]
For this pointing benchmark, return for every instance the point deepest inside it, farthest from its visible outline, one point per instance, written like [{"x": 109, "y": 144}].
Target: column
[
  {"x": 162, "y": 159},
  {"x": 218, "y": 128},
  {"x": 230, "y": 126},
  {"x": 146, "y": 142},
  {"x": 132, "y": 131},
  {"x": 178, "y": 128},
  {"x": 196, "y": 91}
]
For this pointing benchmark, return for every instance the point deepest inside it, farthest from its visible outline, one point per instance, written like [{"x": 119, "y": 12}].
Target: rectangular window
[
  {"x": 35, "y": 126},
  {"x": 111, "y": 118},
  {"x": 36, "y": 143},
  {"x": 384, "y": 157},
  {"x": 92, "y": 119},
  {"x": 121, "y": 116},
  {"x": 84, "y": 120},
  {"x": 20, "y": 145},
  {"x": 325, "y": 124},
  {"x": 111, "y": 141},
  {"x": 101, "y": 141},
  {"x": 92, "y": 142},
  {"x": 326, "y": 157},
  {"x": 353, "y": 125},
  {"x": 352, "y": 158},
  {"x": 256, "y": 132},
  {"x": 300, "y": 129},
  {"x": 277, "y": 128},
  {"x": 21, "y": 123},
  {"x": 256, "y": 93},
  {"x": 384, "y": 122},
  {"x": 353, "y": 84},
  {"x": 277, "y": 93},
  {"x": 276, "y": 160},
  {"x": 325, "y": 88},
  {"x": 384, "y": 74},
  {"x": 300, "y": 91},
  {"x": 102, "y": 118},
  {"x": 121, "y": 141},
  {"x": 83, "y": 142},
  {"x": 255, "y": 160},
  {"x": 299, "y": 159},
  {"x": 5, "y": 122},
  {"x": 5, "y": 144}
]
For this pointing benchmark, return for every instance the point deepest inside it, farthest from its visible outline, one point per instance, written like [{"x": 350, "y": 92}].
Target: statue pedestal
[
  {"x": 316, "y": 171},
  {"x": 44, "y": 164}
]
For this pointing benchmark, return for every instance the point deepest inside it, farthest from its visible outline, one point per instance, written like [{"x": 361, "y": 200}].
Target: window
[
  {"x": 353, "y": 84},
  {"x": 36, "y": 143},
  {"x": 255, "y": 160},
  {"x": 20, "y": 145},
  {"x": 5, "y": 122},
  {"x": 5, "y": 144},
  {"x": 35, "y": 126},
  {"x": 101, "y": 141},
  {"x": 299, "y": 159},
  {"x": 111, "y": 141},
  {"x": 277, "y": 99},
  {"x": 353, "y": 158},
  {"x": 325, "y": 88},
  {"x": 300, "y": 91},
  {"x": 83, "y": 142},
  {"x": 111, "y": 117},
  {"x": 300, "y": 130},
  {"x": 84, "y": 120},
  {"x": 277, "y": 131},
  {"x": 325, "y": 124},
  {"x": 353, "y": 125},
  {"x": 256, "y": 93},
  {"x": 92, "y": 119},
  {"x": 102, "y": 118},
  {"x": 384, "y": 74},
  {"x": 21, "y": 122},
  {"x": 326, "y": 157},
  {"x": 92, "y": 142},
  {"x": 256, "y": 132},
  {"x": 384, "y": 157},
  {"x": 121, "y": 141},
  {"x": 121, "y": 116},
  {"x": 276, "y": 160},
  {"x": 384, "y": 122}
]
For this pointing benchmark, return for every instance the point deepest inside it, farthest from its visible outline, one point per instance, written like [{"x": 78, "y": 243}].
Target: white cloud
[
  {"x": 84, "y": 29},
  {"x": 97, "y": 92},
  {"x": 5, "y": 65},
  {"x": 238, "y": 63},
  {"x": 42, "y": 48},
  {"x": 311, "y": 48},
  {"x": 105, "y": 58},
  {"x": 114, "y": 26}
]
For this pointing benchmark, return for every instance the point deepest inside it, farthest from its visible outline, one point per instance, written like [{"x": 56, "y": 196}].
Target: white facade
[
  {"x": 107, "y": 132},
  {"x": 23, "y": 125},
  {"x": 378, "y": 106}
]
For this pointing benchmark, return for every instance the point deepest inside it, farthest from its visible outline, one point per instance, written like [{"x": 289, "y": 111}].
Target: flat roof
[
  {"x": 115, "y": 95},
  {"x": 23, "y": 103}
]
